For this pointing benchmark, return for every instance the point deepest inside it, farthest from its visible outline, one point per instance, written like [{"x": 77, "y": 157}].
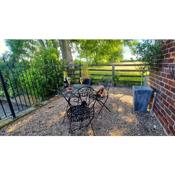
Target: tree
[
  {"x": 95, "y": 51},
  {"x": 45, "y": 71},
  {"x": 132, "y": 44},
  {"x": 21, "y": 48},
  {"x": 150, "y": 52},
  {"x": 34, "y": 64},
  {"x": 102, "y": 51},
  {"x": 66, "y": 51}
]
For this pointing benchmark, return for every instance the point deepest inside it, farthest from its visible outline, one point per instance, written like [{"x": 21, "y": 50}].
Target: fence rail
[{"x": 120, "y": 74}]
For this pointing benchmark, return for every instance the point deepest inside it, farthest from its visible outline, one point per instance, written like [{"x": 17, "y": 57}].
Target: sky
[
  {"x": 3, "y": 47},
  {"x": 126, "y": 54}
]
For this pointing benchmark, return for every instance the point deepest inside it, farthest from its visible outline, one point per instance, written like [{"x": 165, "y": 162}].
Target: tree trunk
[
  {"x": 67, "y": 55},
  {"x": 66, "y": 51}
]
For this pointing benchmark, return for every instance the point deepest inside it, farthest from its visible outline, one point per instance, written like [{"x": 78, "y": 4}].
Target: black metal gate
[
  {"x": 8, "y": 102},
  {"x": 22, "y": 87},
  {"x": 14, "y": 96}
]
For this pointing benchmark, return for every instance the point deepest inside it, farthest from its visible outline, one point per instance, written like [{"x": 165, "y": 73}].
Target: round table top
[
  {"x": 72, "y": 89},
  {"x": 77, "y": 86}
]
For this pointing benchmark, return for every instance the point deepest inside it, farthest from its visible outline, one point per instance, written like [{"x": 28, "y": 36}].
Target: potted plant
[
  {"x": 85, "y": 74},
  {"x": 65, "y": 75}
]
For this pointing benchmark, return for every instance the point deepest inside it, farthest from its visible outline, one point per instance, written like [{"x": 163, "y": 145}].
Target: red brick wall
[{"x": 162, "y": 81}]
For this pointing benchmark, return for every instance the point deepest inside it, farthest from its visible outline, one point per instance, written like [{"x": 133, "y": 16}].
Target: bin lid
[{"x": 138, "y": 88}]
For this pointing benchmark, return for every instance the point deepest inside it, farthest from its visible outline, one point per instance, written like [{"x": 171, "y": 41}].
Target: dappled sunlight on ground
[
  {"x": 126, "y": 100},
  {"x": 129, "y": 119},
  {"x": 90, "y": 132},
  {"x": 121, "y": 109},
  {"x": 52, "y": 121},
  {"x": 118, "y": 132},
  {"x": 55, "y": 119},
  {"x": 48, "y": 120},
  {"x": 114, "y": 107},
  {"x": 19, "y": 124}
]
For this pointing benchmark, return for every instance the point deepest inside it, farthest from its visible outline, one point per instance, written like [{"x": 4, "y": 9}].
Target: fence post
[
  {"x": 113, "y": 75},
  {"x": 80, "y": 69},
  {"x": 7, "y": 95}
]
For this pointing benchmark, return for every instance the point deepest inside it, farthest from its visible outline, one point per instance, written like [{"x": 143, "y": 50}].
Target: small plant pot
[
  {"x": 141, "y": 98},
  {"x": 87, "y": 81}
]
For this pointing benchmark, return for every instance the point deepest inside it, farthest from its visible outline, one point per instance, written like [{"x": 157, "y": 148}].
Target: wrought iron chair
[
  {"x": 80, "y": 108},
  {"x": 102, "y": 97}
]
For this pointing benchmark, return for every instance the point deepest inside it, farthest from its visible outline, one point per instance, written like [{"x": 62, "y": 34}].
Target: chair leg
[
  {"x": 70, "y": 127},
  {"x": 92, "y": 129},
  {"x": 102, "y": 106},
  {"x": 80, "y": 127},
  {"x": 107, "y": 108},
  {"x": 63, "y": 120},
  {"x": 91, "y": 119}
]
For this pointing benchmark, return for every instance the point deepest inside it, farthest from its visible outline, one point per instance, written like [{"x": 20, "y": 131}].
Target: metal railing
[{"x": 22, "y": 87}]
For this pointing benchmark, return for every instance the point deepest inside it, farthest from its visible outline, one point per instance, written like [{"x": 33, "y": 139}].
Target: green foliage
[
  {"x": 77, "y": 62},
  {"x": 100, "y": 51},
  {"x": 45, "y": 73},
  {"x": 132, "y": 44},
  {"x": 21, "y": 48},
  {"x": 27, "y": 49},
  {"x": 85, "y": 72},
  {"x": 149, "y": 51},
  {"x": 32, "y": 67}
]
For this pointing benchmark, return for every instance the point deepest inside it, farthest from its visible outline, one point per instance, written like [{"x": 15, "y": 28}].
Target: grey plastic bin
[{"x": 141, "y": 98}]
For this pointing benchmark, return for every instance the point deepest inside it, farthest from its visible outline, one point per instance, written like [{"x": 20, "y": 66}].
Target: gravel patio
[{"x": 47, "y": 120}]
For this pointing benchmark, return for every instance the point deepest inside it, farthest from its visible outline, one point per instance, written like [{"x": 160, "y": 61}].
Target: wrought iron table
[{"x": 81, "y": 100}]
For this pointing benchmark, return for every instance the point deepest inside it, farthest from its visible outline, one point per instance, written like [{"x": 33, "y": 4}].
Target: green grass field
[{"x": 127, "y": 73}]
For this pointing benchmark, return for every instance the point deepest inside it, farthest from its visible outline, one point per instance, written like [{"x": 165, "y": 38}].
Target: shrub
[
  {"x": 149, "y": 51},
  {"x": 44, "y": 74}
]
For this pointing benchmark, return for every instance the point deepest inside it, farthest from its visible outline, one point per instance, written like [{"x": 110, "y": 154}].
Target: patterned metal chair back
[
  {"x": 107, "y": 85},
  {"x": 81, "y": 107},
  {"x": 85, "y": 94}
]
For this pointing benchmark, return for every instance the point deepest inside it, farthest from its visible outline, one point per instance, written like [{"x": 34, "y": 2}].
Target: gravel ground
[
  {"x": 121, "y": 121},
  {"x": 7, "y": 109}
]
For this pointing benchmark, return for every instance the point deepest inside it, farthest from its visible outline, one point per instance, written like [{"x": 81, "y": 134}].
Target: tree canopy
[
  {"x": 98, "y": 51},
  {"x": 103, "y": 51},
  {"x": 39, "y": 62},
  {"x": 94, "y": 51}
]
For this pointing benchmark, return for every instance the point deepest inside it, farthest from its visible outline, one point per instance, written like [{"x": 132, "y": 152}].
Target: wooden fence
[{"x": 121, "y": 74}]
